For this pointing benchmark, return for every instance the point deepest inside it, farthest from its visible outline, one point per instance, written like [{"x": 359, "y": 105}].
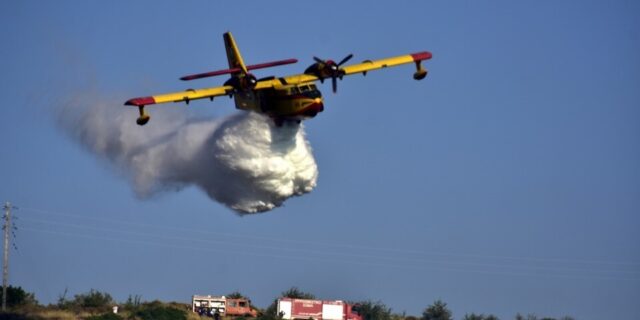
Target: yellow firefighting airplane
[{"x": 291, "y": 98}]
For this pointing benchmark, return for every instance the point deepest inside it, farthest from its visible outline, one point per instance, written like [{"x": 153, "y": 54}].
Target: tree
[
  {"x": 93, "y": 301},
  {"x": 473, "y": 316},
  {"x": 437, "y": 311},
  {"x": 63, "y": 303},
  {"x": 132, "y": 303},
  {"x": 235, "y": 295},
  {"x": 295, "y": 293},
  {"x": 370, "y": 310},
  {"x": 530, "y": 316},
  {"x": 18, "y": 297}
]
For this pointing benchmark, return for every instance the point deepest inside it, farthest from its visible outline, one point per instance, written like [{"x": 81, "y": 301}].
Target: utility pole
[{"x": 5, "y": 261}]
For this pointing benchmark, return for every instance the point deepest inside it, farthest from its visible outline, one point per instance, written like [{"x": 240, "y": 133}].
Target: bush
[
  {"x": 106, "y": 316},
  {"x": 156, "y": 311},
  {"x": 370, "y": 310},
  {"x": 17, "y": 297},
  {"x": 94, "y": 301},
  {"x": 13, "y": 316}
]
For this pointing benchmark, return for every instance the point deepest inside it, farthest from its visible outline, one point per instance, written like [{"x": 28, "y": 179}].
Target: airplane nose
[{"x": 318, "y": 102}]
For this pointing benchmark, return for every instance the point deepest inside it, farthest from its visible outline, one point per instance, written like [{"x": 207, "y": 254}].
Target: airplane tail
[
  {"x": 237, "y": 68},
  {"x": 233, "y": 54}
]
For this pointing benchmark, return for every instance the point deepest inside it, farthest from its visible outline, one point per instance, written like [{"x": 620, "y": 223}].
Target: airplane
[{"x": 283, "y": 99}]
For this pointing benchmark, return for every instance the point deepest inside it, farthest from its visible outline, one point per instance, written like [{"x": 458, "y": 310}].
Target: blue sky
[{"x": 506, "y": 181}]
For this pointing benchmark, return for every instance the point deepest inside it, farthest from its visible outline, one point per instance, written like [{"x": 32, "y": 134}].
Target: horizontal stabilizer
[{"x": 238, "y": 70}]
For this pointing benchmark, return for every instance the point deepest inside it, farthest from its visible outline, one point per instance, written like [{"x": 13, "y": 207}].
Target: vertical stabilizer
[{"x": 233, "y": 54}]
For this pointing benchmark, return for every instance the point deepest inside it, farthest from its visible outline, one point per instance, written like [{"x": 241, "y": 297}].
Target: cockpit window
[
  {"x": 304, "y": 88},
  {"x": 312, "y": 86}
]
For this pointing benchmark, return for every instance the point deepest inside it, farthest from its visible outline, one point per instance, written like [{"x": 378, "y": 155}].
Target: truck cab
[
  {"x": 210, "y": 305},
  {"x": 240, "y": 307}
]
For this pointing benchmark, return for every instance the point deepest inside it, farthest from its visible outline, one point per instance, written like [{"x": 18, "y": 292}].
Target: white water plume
[{"x": 242, "y": 161}]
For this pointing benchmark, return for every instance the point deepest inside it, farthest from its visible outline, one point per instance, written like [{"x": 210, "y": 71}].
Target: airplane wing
[
  {"x": 369, "y": 65},
  {"x": 210, "y": 93},
  {"x": 363, "y": 68},
  {"x": 186, "y": 96},
  {"x": 182, "y": 96}
]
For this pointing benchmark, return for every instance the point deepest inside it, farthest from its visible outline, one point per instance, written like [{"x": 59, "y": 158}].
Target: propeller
[{"x": 334, "y": 69}]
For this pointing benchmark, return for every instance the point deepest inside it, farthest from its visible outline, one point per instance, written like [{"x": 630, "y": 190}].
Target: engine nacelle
[
  {"x": 248, "y": 81},
  {"x": 327, "y": 70},
  {"x": 314, "y": 70}
]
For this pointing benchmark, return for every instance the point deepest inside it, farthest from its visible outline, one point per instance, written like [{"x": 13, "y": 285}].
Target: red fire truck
[{"x": 303, "y": 309}]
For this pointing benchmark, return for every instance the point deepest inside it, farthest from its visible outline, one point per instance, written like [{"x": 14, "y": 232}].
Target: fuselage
[{"x": 283, "y": 103}]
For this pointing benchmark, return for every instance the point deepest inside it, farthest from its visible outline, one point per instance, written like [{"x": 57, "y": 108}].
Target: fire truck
[
  {"x": 222, "y": 306},
  {"x": 304, "y": 309}
]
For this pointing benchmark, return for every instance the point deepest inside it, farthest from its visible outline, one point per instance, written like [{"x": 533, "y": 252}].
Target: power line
[
  {"x": 349, "y": 246},
  {"x": 341, "y": 261},
  {"x": 334, "y": 255},
  {"x": 344, "y": 255}
]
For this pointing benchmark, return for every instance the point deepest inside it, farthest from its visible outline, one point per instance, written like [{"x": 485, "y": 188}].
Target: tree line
[{"x": 97, "y": 305}]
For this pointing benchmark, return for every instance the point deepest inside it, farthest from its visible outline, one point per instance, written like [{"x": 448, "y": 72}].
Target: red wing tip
[
  {"x": 140, "y": 101},
  {"x": 419, "y": 56}
]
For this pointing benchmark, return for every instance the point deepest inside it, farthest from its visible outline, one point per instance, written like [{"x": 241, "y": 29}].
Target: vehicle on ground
[{"x": 304, "y": 309}]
